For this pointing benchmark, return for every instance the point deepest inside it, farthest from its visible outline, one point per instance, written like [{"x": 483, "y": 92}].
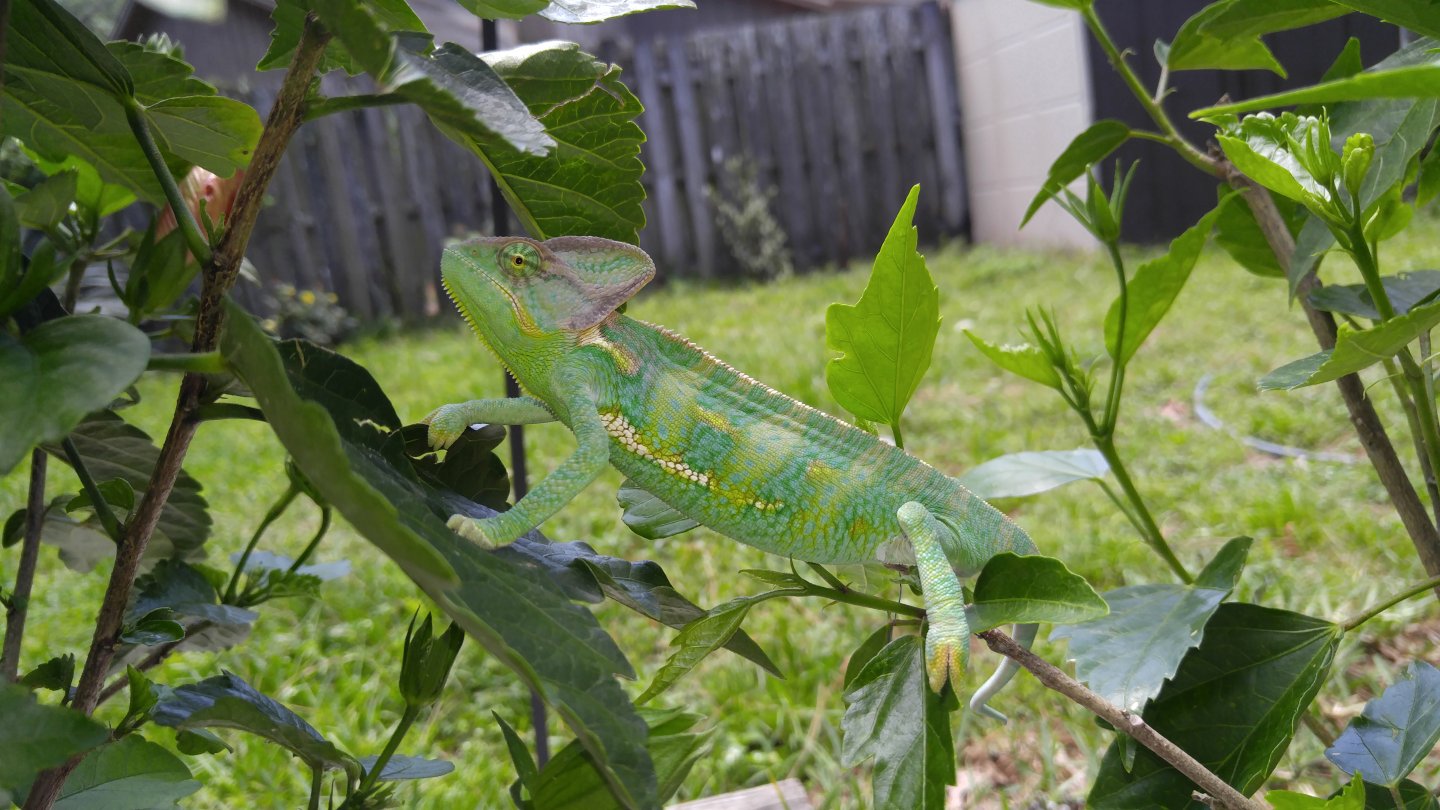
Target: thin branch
[
  {"x": 195, "y": 240},
  {"x": 1125, "y": 722},
  {"x": 1375, "y": 610},
  {"x": 102, "y": 509},
  {"x": 25, "y": 574}
]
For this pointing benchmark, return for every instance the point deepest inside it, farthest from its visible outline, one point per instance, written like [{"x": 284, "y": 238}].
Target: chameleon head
[{"x": 511, "y": 288}]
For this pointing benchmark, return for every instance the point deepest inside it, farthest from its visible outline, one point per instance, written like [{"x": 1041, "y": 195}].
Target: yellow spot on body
[
  {"x": 632, "y": 440},
  {"x": 625, "y": 361}
]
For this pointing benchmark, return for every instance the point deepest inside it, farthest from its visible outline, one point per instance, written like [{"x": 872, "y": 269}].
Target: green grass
[{"x": 1326, "y": 541}]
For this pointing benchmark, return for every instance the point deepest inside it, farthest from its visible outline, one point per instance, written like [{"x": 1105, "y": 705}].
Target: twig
[
  {"x": 1375, "y": 610},
  {"x": 25, "y": 574},
  {"x": 1129, "y": 723},
  {"x": 156, "y": 656},
  {"x": 108, "y": 521}
]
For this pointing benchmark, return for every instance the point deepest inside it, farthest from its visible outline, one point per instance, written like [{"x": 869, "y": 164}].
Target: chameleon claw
[{"x": 446, "y": 424}]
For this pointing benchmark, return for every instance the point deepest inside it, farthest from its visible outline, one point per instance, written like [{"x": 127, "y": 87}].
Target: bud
[
  {"x": 1102, "y": 218},
  {"x": 206, "y": 195},
  {"x": 426, "y": 662},
  {"x": 1359, "y": 150}
]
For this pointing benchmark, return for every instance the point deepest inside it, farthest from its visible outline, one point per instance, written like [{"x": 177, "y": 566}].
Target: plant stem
[
  {"x": 1125, "y": 722},
  {"x": 206, "y": 363},
  {"x": 271, "y": 516},
  {"x": 830, "y": 579},
  {"x": 850, "y": 597},
  {"x": 317, "y": 786},
  {"x": 25, "y": 574},
  {"x": 401, "y": 728},
  {"x": 897, "y": 435},
  {"x": 97, "y": 501},
  {"x": 315, "y": 541},
  {"x": 1396, "y": 796},
  {"x": 1139, "y": 513},
  {"x": 228, "y": 410},
  {"x": 1370, "y": 613},
  {"x": 1152, "y": 107},
  {"x": 194, "y": 239},
  {"x": 1412, "y": 418},
  {"x": 224, "y": 267},
  {"x": 1117, "y": 373}
]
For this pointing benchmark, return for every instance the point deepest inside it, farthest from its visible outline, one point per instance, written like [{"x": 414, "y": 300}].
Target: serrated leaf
[
  {"x": 144, "y": 694},
  {"x": 1025, "y": 360},
  {"x": 1018, "y": 475},
  {"x": 1233, "y": 705},
  {"x": 368, "y": 26},
  {"x": 113, "y": 448},
  {"x": 227, "y": 701},
  {"x": 269, "y": 561},
  {"x": 57, "y": 674},
  {"x": 1085, "y": 150},
  {"x": 1127, "y": 657},
  {"x": 589, "y": 184},
  {"x": 401, "y": 767},
  {"x": 56, "y": 42},
  {"x": 130, "y": 774},
  {"x": 34, "y": 737},
  {"x": 705, "y": 635},
  {"x": 895, "y": 718},
  {"x": 93, "y": 196},
  {"x": 1352, "y": 797},
  {"x": 53, "y": 376},
  {"x": 1355, "y": 350},
  {"x": 1155, "y": 287},
  {"x": 1395, "y": 731},
  {"x": 81, "y": 544},
  {"x": 886, "y": 338},
  {"x": 868, "y": 649},
  {"x": 186, "y": 594},
  {"x": 1196, "y": 48},
  {"x": 648, "y": 516},
  {"x": 1404, "y": 290},
  {"x": 1013, "y": 589},
  {"x": 343, "y": 435}
]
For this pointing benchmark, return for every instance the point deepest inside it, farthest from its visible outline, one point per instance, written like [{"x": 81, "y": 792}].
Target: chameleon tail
[{"x": 1025, "y": 634}]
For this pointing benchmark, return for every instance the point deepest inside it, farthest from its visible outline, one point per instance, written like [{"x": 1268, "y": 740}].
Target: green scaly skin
[{"x": 710, "y": 442}]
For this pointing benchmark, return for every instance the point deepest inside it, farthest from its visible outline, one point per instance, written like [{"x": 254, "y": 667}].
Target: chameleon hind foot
[{"x": 947, "y": 639}]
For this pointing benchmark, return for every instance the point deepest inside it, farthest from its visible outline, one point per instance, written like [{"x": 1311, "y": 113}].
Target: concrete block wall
[{"x": 1024, "y": 93}]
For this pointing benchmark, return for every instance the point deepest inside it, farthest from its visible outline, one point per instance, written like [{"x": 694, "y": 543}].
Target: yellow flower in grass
[{"x": 308, "y": 298}]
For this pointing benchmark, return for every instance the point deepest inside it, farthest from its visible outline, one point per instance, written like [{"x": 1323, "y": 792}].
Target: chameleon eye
[{"x": 520, "y": 258}]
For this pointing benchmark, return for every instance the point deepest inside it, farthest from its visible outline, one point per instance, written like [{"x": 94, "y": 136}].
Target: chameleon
[{"x": 708, "y": 441}]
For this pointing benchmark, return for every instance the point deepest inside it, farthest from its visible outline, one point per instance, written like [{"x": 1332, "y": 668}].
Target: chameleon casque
[{"x": 710, "y": 442}]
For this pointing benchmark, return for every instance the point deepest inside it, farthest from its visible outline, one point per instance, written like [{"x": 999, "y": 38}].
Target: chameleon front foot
[
  {"x": 473, "y": 530},
  {"x": 447, "y": 424}
]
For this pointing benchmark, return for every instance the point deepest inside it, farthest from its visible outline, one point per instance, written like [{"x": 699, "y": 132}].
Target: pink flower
[{"x": 203, "y": 188}]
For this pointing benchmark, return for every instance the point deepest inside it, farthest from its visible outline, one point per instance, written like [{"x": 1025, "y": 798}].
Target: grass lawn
[{"x": 1326, "y": 541}]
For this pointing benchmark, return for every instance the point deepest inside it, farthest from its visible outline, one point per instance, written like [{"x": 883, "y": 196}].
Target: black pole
[{"x": 519, "y": 481}]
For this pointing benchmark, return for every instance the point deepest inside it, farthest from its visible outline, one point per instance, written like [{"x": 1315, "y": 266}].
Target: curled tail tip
[{"x": 977, "y": 705}]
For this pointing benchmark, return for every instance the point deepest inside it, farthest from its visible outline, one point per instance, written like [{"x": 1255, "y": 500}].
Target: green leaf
[
  {"x": 1351, "y": 798},
  {"x": 1405, "y": 291},
  {"x": 367, "y": 27},
  {"x": 1395, "y": 732},
  {"x": 57, "y": 674},
  {"x": 1085, "y": 150},
  {"x": 186, "y": 594},
  {"x": 34, "y": 737},
  {"x": 1420, "y": 17},
  {"x": 1013, "y": 589},
  {"x": 1413, "y": 796},
  {"x": 1234, "y": 19},
  {"x": 1236, "y": 47},
  {"x": 504, "y": 9},
  {"x": 1311, "y": 244},
  {"x": 1237, "y": 231},
  {"x": 217, "y": 133},
  {"x": 43, "y": 206},
  {"x": 1128, "y": 656},
  {"x": 197, "y": 741},
  {"x": 589, "y": 184},
  {"x": 112, "y": 448},
  {"x": 886, "y": 338},
  {"x": 54, "y": 41},
  {"x": 1259, "y": 146},
  {"x": 93, "y": 196},
  {"x": 1017, "y": 475},
  {"x": 868, "y": 649},
  {"x": 894, "y": 717},
  {"x": 130, "y": 774},
  {"x": 1233, "y": 705},
  {"x": 1155, "y": 287},
  {"x": 648, "y": 516},
  {"x": 153, "y": 630},
  {"x": 342, "y": 433},
  {"x": 570, "y": 782},
  {"x": 594, "y": 11},
  {"x": 9, "y": 246},
  {"x": 53, "y": 376},
  {"x": 1355, "y": 350},
  {"x": 116, "y": 493},
  {"x": 227, "y": 701},
  {"x": 1025, "y": 360},
  {"x": 401, "y": 767},
  {"x": 470, "y": 467},
  {"x": 144, "y": 694},
  {"x": 705, "y": 635}
]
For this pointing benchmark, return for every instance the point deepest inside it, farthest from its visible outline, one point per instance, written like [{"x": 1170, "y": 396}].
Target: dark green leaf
[
  {"x": 648, "y": 516},
  {"x": 1087, "y": 149},
  {"x": 401, "y": 767},
  {"x": 55, "y": 42},
  {"x": 886, "y": 338},
  {"x": 57, "y": 674},
  {"x": 1413, "y": 796},
  {"x": 152, "y": 630},
  {"x": 14, "y": 530},
  {"x": 47, "y": 203},
  {"x": 470, "y": 468},
  {"x": 557, "y": 648},
  {"x": 705, "y": 635},
  {"x": 1222, "y": 573},
  {"x": 590, "y": 183},
  {"x": 9, "y": 247},
  {"x": 1352, "y": 797},
  {"x": 1404, "y": 291},
  {"x": 1025, "y": 590},
  {"x": 1395, "y": 732},
  {"x": 1355, "y": 350},
  {"x": 1248, "y": 18},
  {"x": 1017, "y": 475},
  {"x": 1421, "y": 17},
  {"x": 226, "y": 701},
  {"x": 894, "y": 717},
  {"x": 82, "y": 545},
  {"x": 184, "y": 591},
  {"x": 1127, "y": 656},
  {"x": 130, "y": 774},
  {"x": 1239, "y": 233},
  {"x": 197, "y": 741},
  {"x": 369, "y": 27},
  {"x": 34, "y": 737},
  {"x": 594, "y": 11},
  {"x": 54, "y": 375},
  {"x": 1233, "y": 706},
  {"x": 112, "y": 448},
  {"x": 1419, "y": 79},
  {"x": 1235, "y": 45},
  {"x": 1311, "y": 245},
  {"x": 868, "y": 649},
  {"x": 570, "y": 782},
  {"x": 1025, "y": 360},
  {"x": 504, "y": 9},
  {"x": 215, "y": 132},
  {"x": 521, "y": 758},
  {"x": 144, "y": 694},
  {"x": 116, "y": 492},
  {"x": 93, "y": 195}
]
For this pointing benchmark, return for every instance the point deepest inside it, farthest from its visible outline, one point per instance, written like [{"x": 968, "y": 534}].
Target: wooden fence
[{"x": 841, "y": 113}]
